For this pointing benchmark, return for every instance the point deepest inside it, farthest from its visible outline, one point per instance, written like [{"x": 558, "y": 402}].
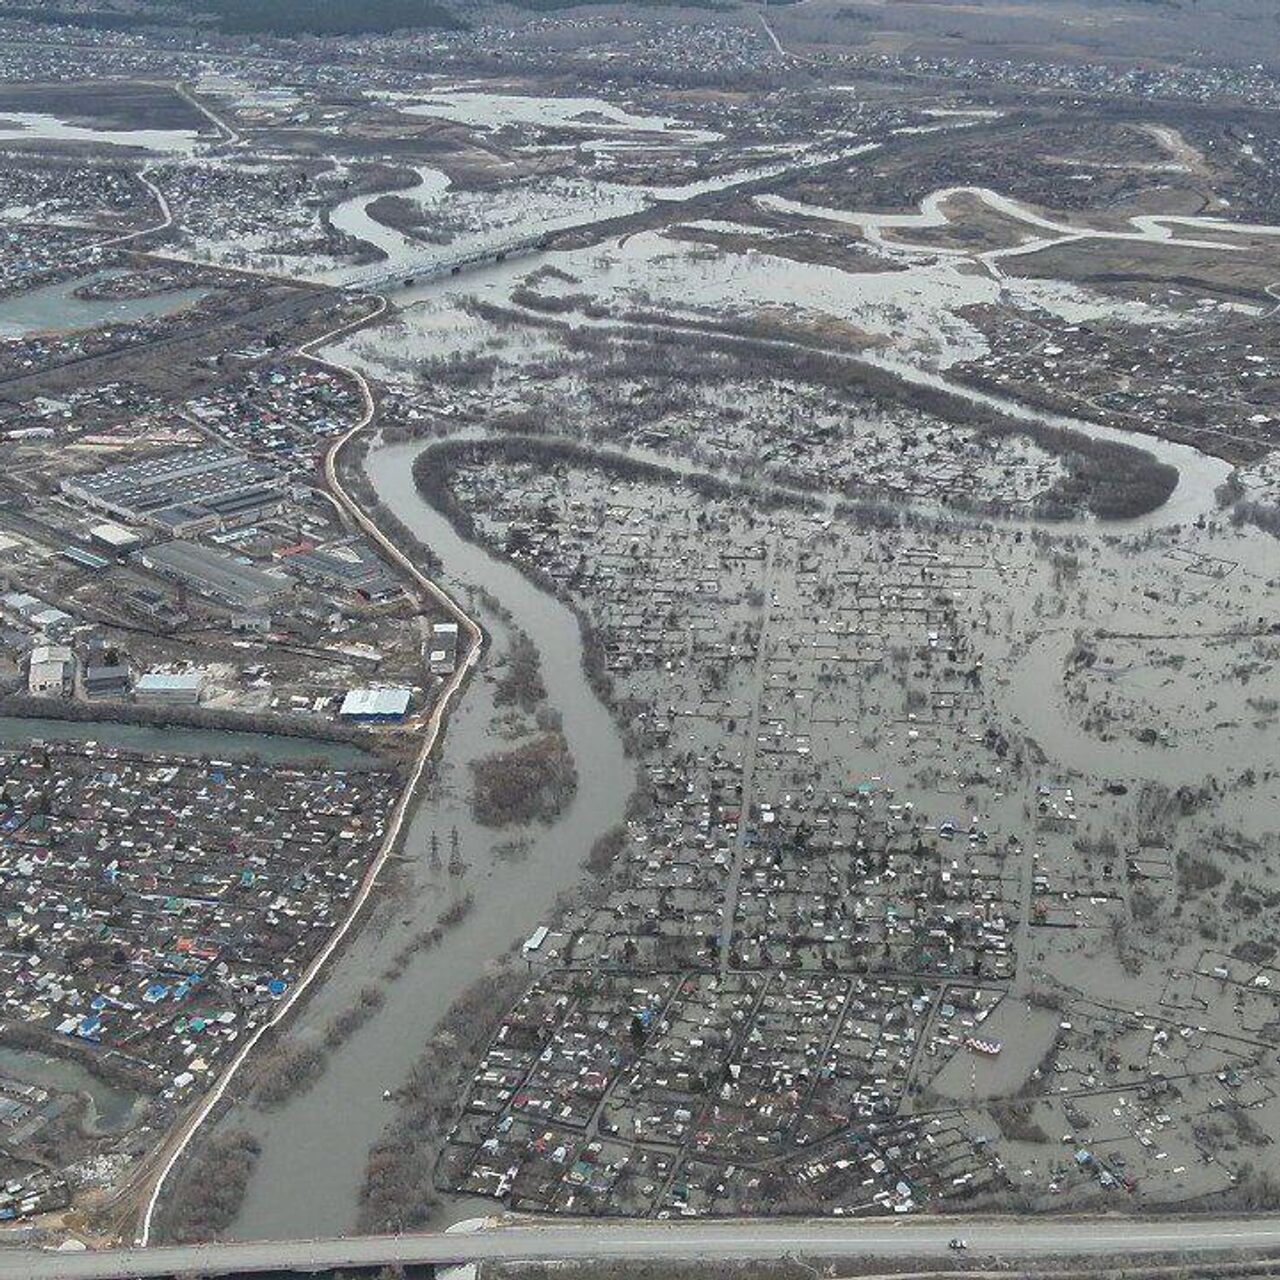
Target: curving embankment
[{"x": 179, "y": 1142}]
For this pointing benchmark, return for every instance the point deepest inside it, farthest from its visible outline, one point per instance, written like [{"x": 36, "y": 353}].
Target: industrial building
[
  {"x": 168, "y": 689},
  {"x": 215, "y": 574},
  {"x": 52, "y": 671},
  {"x": 349, "y": 565},
  {"x": 190, "y": 491},
  {"x": 106, "y": 680},
  {"x": 443, "y": 654},
  {"x": 84, "y": 559},
  {"x": 34, "y": 612},
  {"x": 114, "y": 537},
  {"x": 376, "y": 705}
]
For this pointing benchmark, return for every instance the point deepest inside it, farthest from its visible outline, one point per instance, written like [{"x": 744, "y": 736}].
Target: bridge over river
[
  {"x": 379, "y": 277},
  {"x": 748, "y": 1239}
]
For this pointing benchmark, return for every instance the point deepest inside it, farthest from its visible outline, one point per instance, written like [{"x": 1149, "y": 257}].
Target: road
[
  {"x": 773, "y": 36},
  {"x": 747, "y": 1239},
  {"x": 166, "y": 217},
  {"x": 760, "y": 683},
  {"x": 230, "y": 135}
]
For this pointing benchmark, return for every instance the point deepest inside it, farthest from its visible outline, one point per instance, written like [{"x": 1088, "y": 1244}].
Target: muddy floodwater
[
  {"x": 54, "y": 308},
  {"x": 218, "y": 743},
  {"x": 110, "y": 1108},
  {"x": 314, "y": 1147},
  {"x": 41, "y": 126}
]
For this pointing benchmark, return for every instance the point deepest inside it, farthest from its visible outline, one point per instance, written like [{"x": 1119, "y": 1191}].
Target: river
[
  {"x": 1199, "y": 474},
  {"x": 54, "y": 308},
  {"x": 493, "y": 220},
  {"x": 315, "y": 1146},
  {"x": 352, "y": 217}
]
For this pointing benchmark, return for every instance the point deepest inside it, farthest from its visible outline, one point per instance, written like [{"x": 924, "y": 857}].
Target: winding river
[
  {"x": 1199, "y": 474},
  {"x": 314, "y": 1147},
  {"x": 352, "y": 218},
  {"x": 1160, "y": 229}
]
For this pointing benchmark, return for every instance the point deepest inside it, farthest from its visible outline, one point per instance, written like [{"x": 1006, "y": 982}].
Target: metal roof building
[
  {"x": 214, "y": 573},
  {"x": 163, "y": 686},
  {"x": 376, "y": 704}
]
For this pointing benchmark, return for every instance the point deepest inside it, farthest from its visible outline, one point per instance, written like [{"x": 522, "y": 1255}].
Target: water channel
[
  {"x": 218, "y": 744},
  {"x": 110, "y": 1108},
  {"x": 315, "y": 1146},
  {"x": 54, "y": 308}
]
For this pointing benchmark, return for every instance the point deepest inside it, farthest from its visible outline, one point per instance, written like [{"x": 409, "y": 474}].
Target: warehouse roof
[
  {"x": 114, "y": 535},
  {"x": 165, "y": 682},
  {"x": 376, "y": 702},
  {"x": 215, "y": 573}
]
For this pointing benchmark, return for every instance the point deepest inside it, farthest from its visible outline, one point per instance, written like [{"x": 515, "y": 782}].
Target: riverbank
[
  {"x": 178, "y": 732},
  {"x": 150, "y": 1183},
  {"x": 314, "y": 1146}
]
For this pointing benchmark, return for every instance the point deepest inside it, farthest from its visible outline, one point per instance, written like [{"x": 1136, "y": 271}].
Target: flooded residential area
[{"x": 659, "y": 618}]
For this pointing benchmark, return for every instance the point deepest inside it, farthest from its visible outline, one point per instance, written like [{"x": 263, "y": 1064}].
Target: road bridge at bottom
[{"x": 743, "y": 1239}]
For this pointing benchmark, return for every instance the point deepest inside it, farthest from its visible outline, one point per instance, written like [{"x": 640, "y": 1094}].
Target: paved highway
[{"x": 753, "y": 1239}]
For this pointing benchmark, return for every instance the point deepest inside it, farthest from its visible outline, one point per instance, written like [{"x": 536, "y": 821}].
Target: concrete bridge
[
  {"x": 379, "y": 277},
  {"x": 924, "y": 1239}
]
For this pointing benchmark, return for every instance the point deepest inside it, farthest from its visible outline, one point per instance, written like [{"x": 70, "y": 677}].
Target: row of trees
[
  {"x": 294, "y": 1067},
  {"x": 399, "y": 1188},
  {"x": 210, "y": 1189}
]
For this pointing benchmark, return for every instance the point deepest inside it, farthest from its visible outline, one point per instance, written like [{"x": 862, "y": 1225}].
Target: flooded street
[{"x": 314, "y": 1147}]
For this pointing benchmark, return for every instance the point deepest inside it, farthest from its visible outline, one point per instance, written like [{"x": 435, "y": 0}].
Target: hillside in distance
[
  {"x": 248, "y": 17},
  {"x": 1232, "y": 32}
]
